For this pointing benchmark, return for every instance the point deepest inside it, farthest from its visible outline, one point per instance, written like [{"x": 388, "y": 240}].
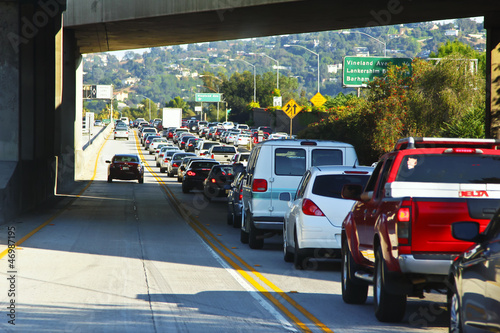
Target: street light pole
[
  {"x": 305, "y": 48},
  {"x": 277, "y": 68},
  {"x": 364, "y": 33},
  {"x": 254, "y": 84}
]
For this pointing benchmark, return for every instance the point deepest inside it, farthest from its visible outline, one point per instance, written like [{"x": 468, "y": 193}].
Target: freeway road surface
[{"x": 129, "y": 257}]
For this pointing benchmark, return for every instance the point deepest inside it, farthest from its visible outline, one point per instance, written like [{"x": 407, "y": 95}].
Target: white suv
[
  {"x": 277, "y": 166},
  {"x": 316, "y": 210}
]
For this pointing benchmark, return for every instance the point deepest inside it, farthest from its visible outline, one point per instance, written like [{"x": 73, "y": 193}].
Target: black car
[
  {"x": 234, "y": 203},
  {"x": 195, "y": 174},
  {"x": 218, "y": 181},
  {"x": 182, "y": 141},
  {"x": 191, "y": 144},
  {"x": 176, "y": 161},
  {"x": 125, "y": 167},
  {"x": 474, "y": 291}
]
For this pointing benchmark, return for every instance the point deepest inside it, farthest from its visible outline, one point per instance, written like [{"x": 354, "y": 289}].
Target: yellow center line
[{"x": 203, "y": 232}]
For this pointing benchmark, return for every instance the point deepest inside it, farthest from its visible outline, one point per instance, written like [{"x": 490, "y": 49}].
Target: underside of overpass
[
  {"x": 41, "y": 65},
  {"x": 112, "y": 25}
]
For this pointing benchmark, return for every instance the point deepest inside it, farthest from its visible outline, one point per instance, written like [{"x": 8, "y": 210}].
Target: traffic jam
[{"x": 422, "y": 220}]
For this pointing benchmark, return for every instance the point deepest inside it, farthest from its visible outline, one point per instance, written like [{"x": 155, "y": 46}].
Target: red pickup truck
[{"x": 397, "y": 236}]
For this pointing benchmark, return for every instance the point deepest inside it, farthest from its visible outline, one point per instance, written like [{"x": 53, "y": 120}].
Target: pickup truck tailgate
[{"x": 432, "y": 219}]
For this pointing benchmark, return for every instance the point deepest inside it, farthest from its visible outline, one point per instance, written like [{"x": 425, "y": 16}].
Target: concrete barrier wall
[{"x": 85, "y": 159}]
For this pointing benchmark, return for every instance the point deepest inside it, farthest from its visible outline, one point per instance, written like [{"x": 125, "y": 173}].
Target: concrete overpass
[{"x": 41, "y": 65}]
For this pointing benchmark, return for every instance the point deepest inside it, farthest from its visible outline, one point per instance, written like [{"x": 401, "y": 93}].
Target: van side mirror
[
  {"x": 352, "y": 191},
  {"x": 285, "y": 196}
]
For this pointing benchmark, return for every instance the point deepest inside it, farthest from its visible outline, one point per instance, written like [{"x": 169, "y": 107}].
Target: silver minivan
[{"x": 277, "y": 166}]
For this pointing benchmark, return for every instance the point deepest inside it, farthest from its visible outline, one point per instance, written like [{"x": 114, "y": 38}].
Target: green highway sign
[
  {"x": 204, "y": 97},
  {"x": 358, "y": 71}
]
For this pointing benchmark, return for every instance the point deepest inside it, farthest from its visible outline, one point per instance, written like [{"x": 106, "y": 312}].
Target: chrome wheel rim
[{"x": 454, "y": 314}]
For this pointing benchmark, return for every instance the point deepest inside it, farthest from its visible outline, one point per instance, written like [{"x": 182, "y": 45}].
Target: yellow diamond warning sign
[
  {"x": 292, "y": 108},
  {"x": 318, "y": 99}
]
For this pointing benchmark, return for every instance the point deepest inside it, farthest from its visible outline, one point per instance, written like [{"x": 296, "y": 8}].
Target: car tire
[
  {"x": 244, "y": 237},
  {"x": 300, "y": 259},
  {"x": 236, "y": 221},
  {"x": 141, "y": 180},
  {"x": 229, "y": 218},
  {"x": 179, "y": 180},
  {"x": 157, "y": 164},
  {"x": 255, "y": 240},
  {"x": 454, "y": 308},
  {"x": 389, "y": 308},
  {"x": 110, "y": 179},
  {"x": 353, "y": 291},
  {"x": 185, "y": 189},
  {"x": 170, "y": 174},
  {"x": 287, "y": 255},
  {"x": 162, "y": 170}
]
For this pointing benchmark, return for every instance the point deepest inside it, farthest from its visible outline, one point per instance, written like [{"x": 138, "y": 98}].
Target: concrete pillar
[
  {"x": 492, "y": 24},
  {"x": 67, "y": 120},
  {"x": 29, "y": 95}
]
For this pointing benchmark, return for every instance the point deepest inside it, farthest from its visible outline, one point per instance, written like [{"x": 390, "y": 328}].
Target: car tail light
[
  {"x": 175, "y": 165},
  {"x": 403, "y": 225},
  {"x": 212, "y": 155},
  {"x": 310, "y": 208},
  {"x": 259, "y": 185},
  {"x": 241, "y": 194},
  {"x": 213, "y": 180},
  {"x": 191, "y": 173}
]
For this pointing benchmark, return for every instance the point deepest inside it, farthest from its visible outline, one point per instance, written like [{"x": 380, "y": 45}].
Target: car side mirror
[
  {"x": 466, "y": 231},
  {"x": 352, "y": 192},
  {"x": 285, "y": 196},
  {"x": 107, "y": 161},
  {"x": 182, "y": 168}
]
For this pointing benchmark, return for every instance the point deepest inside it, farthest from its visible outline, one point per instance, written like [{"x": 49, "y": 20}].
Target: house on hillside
[
  {"x": 451, "y": 33},
  {"x": 361, "y": 52},
  {"x": 130, "y": 81}
]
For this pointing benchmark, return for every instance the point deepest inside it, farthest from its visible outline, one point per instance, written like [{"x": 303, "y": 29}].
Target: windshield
[{"x": 450, "y": 168}]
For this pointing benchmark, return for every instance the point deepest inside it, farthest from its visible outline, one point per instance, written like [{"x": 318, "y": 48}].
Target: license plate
[{"x": 125, "y": 168}]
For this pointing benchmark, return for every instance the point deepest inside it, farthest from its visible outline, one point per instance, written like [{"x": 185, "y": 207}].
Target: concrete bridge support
[
  {"x": 30, "y": 100},
  {"x": 492, "y": 24}
]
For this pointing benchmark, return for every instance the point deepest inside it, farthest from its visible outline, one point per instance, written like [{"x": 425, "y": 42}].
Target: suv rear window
[
  {"x": 202, "y": 165},
  {"x": 450, "y": 168},
  {"x": 224, "y": 149},
  {"x": 326, "y": 157},
  {"x": 289, "y": 161},
  {"x": 331, "y": 185}
]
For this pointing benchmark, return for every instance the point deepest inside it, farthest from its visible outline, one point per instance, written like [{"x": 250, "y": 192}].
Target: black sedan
[
  {"x": 195, "y": 174},
  {"x": 234, "y": 200},
  {"x": 474, "y": 291},
  {"x": 125, "y": 167},
  {"x": 176, "y": 161},
  {"x": 218, "y": 181}
]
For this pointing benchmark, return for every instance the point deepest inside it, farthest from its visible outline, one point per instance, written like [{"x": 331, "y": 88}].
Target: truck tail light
[
  {"x": 212, "y": 155},
  {"x": 310, "y": 208},
  {"x": 259, "y": 185},
  {"x": 403, "y": 226}
]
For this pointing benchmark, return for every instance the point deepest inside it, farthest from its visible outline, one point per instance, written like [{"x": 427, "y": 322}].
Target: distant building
[
  {"x": 334, "y": 68},
  {"x": 121, "y": 96},
  {"x": 451, "y": 32},
  {"x": 130, "y": 81},
  {"x": 361, "y": 52}
]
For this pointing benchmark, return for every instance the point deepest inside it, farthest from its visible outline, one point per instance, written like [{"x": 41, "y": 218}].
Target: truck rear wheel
[
  {"x": 353, "y": 292},
  {"x": 388, "y": 307}
]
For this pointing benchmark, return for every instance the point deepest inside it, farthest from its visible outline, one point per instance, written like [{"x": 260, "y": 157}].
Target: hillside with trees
[{"x": 172, "y": 75}]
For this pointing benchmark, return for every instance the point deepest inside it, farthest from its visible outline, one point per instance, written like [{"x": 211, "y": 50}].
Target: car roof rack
[{"x": 429, "y": 142}]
